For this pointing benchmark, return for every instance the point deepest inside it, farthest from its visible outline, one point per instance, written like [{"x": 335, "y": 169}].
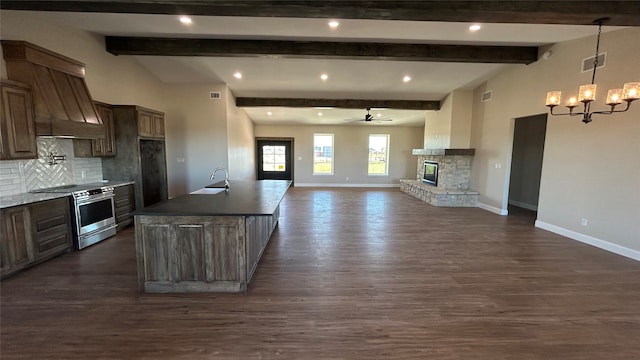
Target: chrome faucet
[{"x": 226, "y": 177}]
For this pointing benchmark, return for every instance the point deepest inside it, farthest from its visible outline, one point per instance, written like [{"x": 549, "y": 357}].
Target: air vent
[
  {"x": 587, "y": 64},
  {"x": 486, "y": 96},
  {"x": 215, "y": 95}
]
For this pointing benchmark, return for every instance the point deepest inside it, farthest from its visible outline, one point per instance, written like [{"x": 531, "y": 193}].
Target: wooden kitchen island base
[{"x": 194, "y": 252}]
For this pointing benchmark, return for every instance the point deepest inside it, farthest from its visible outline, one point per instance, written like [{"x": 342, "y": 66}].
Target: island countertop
[{"x": 244, "y": 198}]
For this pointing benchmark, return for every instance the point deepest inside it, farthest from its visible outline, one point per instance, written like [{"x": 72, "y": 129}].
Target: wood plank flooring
[{"x": 348, "y": 274}]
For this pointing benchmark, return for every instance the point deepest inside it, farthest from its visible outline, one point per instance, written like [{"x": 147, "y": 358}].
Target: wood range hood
[{"x": 63, "y": 105}]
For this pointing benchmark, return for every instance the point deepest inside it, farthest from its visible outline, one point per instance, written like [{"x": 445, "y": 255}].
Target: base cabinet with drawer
[
  {"x": 34, "y": 233},
  {"x": 124, "y": 203}
]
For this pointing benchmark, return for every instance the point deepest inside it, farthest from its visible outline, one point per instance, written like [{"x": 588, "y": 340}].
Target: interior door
[{"x": 274, "y": 159}]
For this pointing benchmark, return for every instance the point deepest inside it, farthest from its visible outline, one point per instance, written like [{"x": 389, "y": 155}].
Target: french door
[{"x": 274, "y": 159}]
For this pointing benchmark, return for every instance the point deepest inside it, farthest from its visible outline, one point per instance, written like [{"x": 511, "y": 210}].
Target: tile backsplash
[{"x": 19, "y": 176}]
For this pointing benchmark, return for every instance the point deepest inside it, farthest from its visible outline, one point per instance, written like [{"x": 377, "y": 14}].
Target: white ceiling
[{"x": 300, "y": 78}]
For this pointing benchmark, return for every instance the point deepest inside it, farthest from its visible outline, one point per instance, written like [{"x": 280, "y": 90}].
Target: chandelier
[{"x": 587, "y": 93}]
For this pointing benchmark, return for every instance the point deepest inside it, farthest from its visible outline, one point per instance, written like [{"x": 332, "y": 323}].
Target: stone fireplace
[{"x": 454, "y": 174}]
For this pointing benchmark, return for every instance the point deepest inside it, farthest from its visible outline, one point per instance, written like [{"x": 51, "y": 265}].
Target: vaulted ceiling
[{"x": 281, "y": 48}]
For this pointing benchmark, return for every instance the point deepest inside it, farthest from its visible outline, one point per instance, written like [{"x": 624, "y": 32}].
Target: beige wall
[
  {"x": 241, "y": 142},
  {"x": 197, "y": 133},
  {"x": 589, "y": 171},
  {"x": 196, "y": 127},
  {"x": 450, "y": 127},
  {"x": 351, "y": 153},
  {"x": 111, "y": 79}
]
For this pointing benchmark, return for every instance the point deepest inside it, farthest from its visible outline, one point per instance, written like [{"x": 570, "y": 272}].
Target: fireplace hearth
[{"x": 443, "y": 177}]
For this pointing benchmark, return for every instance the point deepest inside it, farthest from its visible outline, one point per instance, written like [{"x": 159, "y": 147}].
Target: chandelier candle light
[{"x": 587, "y": 93}]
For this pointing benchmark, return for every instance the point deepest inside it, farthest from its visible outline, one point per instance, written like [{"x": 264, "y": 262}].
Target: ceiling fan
[{"x": 368, "y": 118}]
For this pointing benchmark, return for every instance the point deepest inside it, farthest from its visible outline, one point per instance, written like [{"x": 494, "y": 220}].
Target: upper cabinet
[
  {"x": 106, "y": 146},
  {"x": 63, "y": 105},
  {"x": 150, "y": 123},
  {"x": 17, "y": 126},
  {"x": 99, "y": 147}
]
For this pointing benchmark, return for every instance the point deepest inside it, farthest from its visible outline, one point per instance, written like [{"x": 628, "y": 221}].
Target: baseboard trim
[
  {"x": 493, "y": 209},
  {"x": 347, "y": 185},
  {"x": 523, "y": 205},
  {"x": 590, "y": 240}
]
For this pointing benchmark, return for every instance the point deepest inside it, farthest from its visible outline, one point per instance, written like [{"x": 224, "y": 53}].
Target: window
[
  {"x": 378, "y": 154},
  {"x": 273, "y": 158},
  {"x": 323, "y": 154}
]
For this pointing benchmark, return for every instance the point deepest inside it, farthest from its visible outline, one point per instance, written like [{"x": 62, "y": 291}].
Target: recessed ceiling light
[
  {"x": 319, "y": 114},
  {"x": 324, "y": 77},
  {"x": 334, "y": 24},
  {"x": 379, "y": 115},
  {"x": 237, "y": 75},
  {"x": 185, "y": 20},
  {"x": 406, "y": 78},
  {"x": 269, "y": 113},
  {"x": 475, "y": 27}
]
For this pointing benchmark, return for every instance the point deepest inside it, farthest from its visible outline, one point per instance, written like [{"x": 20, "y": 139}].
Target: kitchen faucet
[{"x": 226, "y": 177}]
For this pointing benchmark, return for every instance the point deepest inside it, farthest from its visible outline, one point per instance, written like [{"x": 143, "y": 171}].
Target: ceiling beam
[
  {"x": 568, "y": 12},
  {"x": 118, "y": 45},
  {"x": 338, "y": 103}
]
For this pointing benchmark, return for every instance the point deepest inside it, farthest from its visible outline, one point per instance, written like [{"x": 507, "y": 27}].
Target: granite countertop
[
  {"x": 244, "y": 198},
  {"x": 28, "y": 198}
]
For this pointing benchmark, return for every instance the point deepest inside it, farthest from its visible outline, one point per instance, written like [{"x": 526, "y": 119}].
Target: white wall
[
  {"x": 351, "y": 145},
  {"x": 589, "y": 171}
]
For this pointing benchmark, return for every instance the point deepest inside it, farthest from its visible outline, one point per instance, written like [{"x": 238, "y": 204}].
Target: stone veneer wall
[
  {"x": 454, "y": 174},
  {"x": 454, "y": 171}
]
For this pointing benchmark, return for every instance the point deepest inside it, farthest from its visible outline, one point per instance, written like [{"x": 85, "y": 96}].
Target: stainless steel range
[{"x": 93, "y": 212}]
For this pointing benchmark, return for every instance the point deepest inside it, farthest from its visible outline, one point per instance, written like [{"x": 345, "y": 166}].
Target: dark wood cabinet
[
  {"x": 258, "y": 231},
  {"x": 34, "y": 233},
  {"x": 141, "y": 153},
  {"x": 50, "y": 227},
  {"x": 17, "y": 245},
  {"x": 200, "y": 253},
  {"x": 17, "y": 122},
  {"x": 150, "y": 124},
  {"x": 124, "y": 205},
  {"x": 106, "y": 146},
  {"x": 62, "y": 102},
  {"x": 103, "y": 146}
]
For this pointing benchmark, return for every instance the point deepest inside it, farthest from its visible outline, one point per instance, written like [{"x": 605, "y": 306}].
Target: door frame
[
  {"x": 291, "y": 142},
  {"x": 507, "y": 173}
]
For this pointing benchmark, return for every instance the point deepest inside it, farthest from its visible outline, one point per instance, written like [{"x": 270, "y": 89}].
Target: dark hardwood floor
[{"x": 349, "y": 274}]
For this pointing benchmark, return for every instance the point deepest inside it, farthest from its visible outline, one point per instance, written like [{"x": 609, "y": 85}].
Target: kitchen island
[{"x": 210, "y": 241}]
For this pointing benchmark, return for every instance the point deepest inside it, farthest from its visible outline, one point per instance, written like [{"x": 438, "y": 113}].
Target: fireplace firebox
[{"x": 430, "y": 173}]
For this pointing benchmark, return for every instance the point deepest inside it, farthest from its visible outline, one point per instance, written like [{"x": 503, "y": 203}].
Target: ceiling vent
[
  {"x": 486, "y": 96},
  {"x": 587, "y": 64},
  {"x": 215, "y": 95}
]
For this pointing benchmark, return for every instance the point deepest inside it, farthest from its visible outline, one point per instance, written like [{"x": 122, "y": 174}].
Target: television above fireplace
[{"x": 430, "y": 173}]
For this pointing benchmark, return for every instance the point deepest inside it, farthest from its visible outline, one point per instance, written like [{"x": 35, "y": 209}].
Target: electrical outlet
[
  {"x": 584, "y": 222},
  {"x": 347, "y": 178}
]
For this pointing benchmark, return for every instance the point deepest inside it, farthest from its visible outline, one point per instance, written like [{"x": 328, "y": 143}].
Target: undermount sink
[{"x": 208, "y": 191}]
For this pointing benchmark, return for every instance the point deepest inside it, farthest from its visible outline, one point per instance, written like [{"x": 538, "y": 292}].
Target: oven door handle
[{"x": 93, "y": 198}]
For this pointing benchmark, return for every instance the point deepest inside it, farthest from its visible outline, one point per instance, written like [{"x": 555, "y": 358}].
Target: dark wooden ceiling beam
[
  {"x": 338, "y": 103},
  {"x": 320, "y": 50},
  {"x": 569, "y": 12}
]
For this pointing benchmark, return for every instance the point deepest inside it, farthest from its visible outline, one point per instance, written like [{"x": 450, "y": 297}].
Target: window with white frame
[
  {"x": 323, "y": 154},
  {"x": 378, "y": 154}
]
